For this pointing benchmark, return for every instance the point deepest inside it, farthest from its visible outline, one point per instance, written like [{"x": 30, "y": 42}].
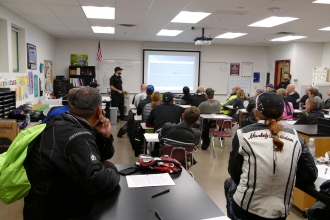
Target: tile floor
[{"x": 209, "y": 173}]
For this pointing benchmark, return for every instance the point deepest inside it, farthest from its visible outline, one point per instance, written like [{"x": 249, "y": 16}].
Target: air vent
[
  {"x": 127, "y": 25},
  {"x": 285, "y": 33}
]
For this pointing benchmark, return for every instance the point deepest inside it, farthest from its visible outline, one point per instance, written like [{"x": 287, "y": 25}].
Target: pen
[
  {"x": 158, "y": 216},
  {"x": 158, "y": 194},
  {"x": 326, "y": 170}
]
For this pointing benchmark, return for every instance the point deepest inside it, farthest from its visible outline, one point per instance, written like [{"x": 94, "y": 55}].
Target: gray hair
[
  {"x": 85, "y": 102},
  {"x": 259, "y": 91}
]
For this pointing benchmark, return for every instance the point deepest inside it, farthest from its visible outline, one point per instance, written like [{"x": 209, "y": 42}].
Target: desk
[
  {"x": 229, "y": 107},
  {"x": 134, "y": 111},
  {"x": 297, "y": 111},
  {"x": 149, "y": 138},
  {"x": 185, "y": 201},
  {"x": 137, "y": 117},
  {"x": 143, "y": 126},
  {"x": 185, "y": 106},
  {"x": 132, "y": 106}
]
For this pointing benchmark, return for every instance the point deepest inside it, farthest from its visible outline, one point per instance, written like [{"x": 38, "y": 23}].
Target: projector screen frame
[{"x": 161, "y": 50}]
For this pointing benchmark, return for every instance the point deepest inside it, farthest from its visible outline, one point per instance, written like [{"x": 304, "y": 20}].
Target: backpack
[{"x": 14, "y": 183}]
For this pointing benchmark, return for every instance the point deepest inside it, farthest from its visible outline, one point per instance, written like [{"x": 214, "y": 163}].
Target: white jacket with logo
[{"x": 265, "y": 178}]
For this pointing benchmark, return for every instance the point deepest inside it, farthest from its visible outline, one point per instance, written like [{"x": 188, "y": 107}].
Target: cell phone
[{"x": 129, "y": 170}]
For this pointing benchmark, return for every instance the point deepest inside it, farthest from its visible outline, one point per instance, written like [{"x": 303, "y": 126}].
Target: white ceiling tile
[
  {"x": 26, "y": 1},
  {"x": 128, "y": 21},
  {"x": 58, "y": 28},
  {"x": 218, "y": 19},
  {"x": 47, "y": 20},
  {"x": 156, "y": 15},
  {"x": 81, "y": 29},
  {"x": 84, "y": 35},
  {"x": 177, "y": 26},
  {"x": 245, "y": 5},
  {"x": 124, "y": 36},
  {"x": 206, "y": 5},
  {"x": 160, "y": 38},
  {"x": 68, "y": 11},
  {"x": 125, "y": 30},
  {"x": 142, "y": 37},
  {"x": 245, "y": 20},
  {"x": 147, "y": 31},
  {"x": 133, "y": 3},
  {"x": 61, "y": 2},
  {"x": 75, "y": 21},
  {"x": 130, "y": 13},
  {"x": 170, "y": 5},
  {"x": 105, "y": 37},
  {"x": 34, "y": 9},
  {"x": 283, "y": 5},
  {"x": 12, "y": 8},
  {"x": 102, "y": 22},
  {"x": 30, "y": 19},
  {"x": 153, "y": 24},
  {"x": 108, "y": 3}
]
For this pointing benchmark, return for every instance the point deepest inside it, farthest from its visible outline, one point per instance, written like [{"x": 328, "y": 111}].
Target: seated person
[
  {"x": 312, "y": 113},
  {"x": 270, "y": 88},
  {"x": 140, "y": 96},
  {"x": 155, "y": 98},
  {"x": 305, "y": 97},
  {"x": 186, "y": 98},
  {"x": 230, "y": 101},
  {"x": 313, "y": 94},
  {"x": 327, "y": 102},
  {"x": 181, "y": 134},
  {"x": 65, "y": 178},
  {"x": 147, "y": 100},
  {"x": 288, "y": 107},
  {"x": 61, "y": 109},
  {"x": 210, "y": 106},
  {"x": 240, "y": 101},
  {"x": 293, "y": 96},
  {"x": 166, "y": 112},
  {"x": 198, "y": 97}
]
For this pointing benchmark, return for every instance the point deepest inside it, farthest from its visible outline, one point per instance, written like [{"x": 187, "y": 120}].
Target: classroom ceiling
[{"x": 66, "y": 19}]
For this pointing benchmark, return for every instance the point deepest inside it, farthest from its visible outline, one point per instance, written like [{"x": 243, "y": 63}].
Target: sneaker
[{"x": 205, "y": 146}]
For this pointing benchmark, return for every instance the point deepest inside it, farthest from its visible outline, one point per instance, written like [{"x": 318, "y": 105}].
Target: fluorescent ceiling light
[
  {"x": 325, "y": 29},
  {"x": 230, "y": 35},
  {"x": 165, "y": 32},
  {"x": 288, "y": 38},
  {"x": 190, "y": 17},
  {"x": 322, "y": 1},
  {"x": 272, "y": 21},
  {"x": 103, "y": 30},
  {"x": 99, "y": 12}
]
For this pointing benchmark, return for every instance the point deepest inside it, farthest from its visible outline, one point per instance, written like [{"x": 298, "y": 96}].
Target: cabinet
[
  {"x": 81, "y": 75},
  {"x": 7, "y": 103},
  {"x": 61, "y": 87}
]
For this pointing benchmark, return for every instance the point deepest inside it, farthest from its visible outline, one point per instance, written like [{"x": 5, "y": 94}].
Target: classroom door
[{"x": 281, "y": 67}]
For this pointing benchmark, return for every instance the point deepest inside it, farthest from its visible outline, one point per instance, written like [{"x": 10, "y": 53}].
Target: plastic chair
[
  {"x": 181, "y": 154},
  {"x": 224, "y": 130}
]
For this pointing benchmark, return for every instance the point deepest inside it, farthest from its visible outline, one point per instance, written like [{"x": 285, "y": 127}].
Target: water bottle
[
  {"x": 28, "y": 119},
  {"x": 311, "y": 147}
]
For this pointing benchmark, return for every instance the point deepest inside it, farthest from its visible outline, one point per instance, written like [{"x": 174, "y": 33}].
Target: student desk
[
  {"x": 303, "y": 195},
  {"x": 149, "y": 138},
  {"x": 132, "y": 106},
  {"x": 185, "y": 201}
]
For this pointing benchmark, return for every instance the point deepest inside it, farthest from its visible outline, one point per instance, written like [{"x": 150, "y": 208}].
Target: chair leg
[
  {"x": 213, "y": 147},
  {"x": 220, "y": 142}
]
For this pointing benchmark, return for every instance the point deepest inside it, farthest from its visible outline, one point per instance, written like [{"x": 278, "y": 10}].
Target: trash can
[{"x": 113, "y": 115}]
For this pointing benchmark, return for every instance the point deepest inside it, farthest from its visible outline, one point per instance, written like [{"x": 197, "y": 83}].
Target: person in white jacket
[{"x": 265, "y": 162}]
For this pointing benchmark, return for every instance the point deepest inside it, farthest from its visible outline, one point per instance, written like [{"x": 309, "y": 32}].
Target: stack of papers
[
  {"x": 324, "y": 171},
  {"x": 162, "y": 179}
]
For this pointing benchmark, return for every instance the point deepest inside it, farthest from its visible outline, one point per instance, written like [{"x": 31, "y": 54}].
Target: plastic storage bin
[{"x": 113, "y": 115}]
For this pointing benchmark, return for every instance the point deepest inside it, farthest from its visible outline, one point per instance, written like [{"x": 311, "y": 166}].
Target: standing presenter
[{"x": 117, "y": 94}]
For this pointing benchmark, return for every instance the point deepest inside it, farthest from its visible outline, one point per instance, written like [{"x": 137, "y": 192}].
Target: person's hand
[
  {"x": 120, "y": 92},
  {"x": 103, "y": 127}
]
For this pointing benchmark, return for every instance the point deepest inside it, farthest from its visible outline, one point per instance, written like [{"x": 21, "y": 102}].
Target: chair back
[
  {"x": 178, "y": 153},
  {"x": 227, "y": 124}
]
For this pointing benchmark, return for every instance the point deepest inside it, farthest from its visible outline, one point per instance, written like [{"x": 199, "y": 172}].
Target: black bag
[
  {"x": 230, "y": 189},
  {"x": 138, "y": 141},
  {"x": 325, "y": 188},
  {"x": 122, "y": 131},
  {"x": 130, "y": 124},
  {"x": 37, "y": 116}
]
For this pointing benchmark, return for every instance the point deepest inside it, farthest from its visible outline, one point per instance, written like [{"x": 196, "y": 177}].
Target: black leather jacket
[{"x": 66, "y": 167}]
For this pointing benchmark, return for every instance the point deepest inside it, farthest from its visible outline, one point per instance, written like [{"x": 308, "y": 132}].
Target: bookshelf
[
  {"x": 7, "y": 103},
  {"x": 81, "y": 75}
]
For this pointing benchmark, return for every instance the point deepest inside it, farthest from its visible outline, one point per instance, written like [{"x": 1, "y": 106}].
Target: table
[
  {"x": 149, "y": 137},
  {"x": 229, "y": 107},
  {"x": 185, "y": 201},
  {"x": 297, "y": 111},
  {"x": 143, "y": 126},
  {"x": 134, "y": 111},
  {"x": 137, "y": 117},
  {"x": 185, "y": 106}
]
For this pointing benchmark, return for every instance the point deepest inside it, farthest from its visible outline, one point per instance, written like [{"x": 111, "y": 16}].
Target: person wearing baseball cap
[
  {"x": 117, "y": 94},
  {"x": 94, "y": 85},
  {"x": 167, "y": 112},
  {"x": 270, "y": 88},
  {"x": 149, "y": 90},
  {"x": 265, "y": 162}
]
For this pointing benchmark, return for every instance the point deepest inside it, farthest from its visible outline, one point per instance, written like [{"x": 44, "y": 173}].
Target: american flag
[{"x": 99, "y": 53}]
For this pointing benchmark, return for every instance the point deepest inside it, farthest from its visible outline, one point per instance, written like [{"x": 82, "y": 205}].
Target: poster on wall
[
  {"x": 35, "y": 86},
  {"x": 79, "y": 60},
  {"x": 49, "y": 79},
  {"x": 234, "y": 69},
  {"x": 30, "y": 83},
  {"x": 256, "y": 77},
  {"x": 31, "y": 56}
]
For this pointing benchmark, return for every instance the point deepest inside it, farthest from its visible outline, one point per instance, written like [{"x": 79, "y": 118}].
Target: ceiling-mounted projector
[{"x": 203, "y": 40}]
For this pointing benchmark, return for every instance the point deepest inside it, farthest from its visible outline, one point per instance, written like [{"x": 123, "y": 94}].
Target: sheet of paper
[
  {"x": 291, "y": 122},
  {"x": 324, "y": 171},
  {"x": 162, "y": 179},
  {"x": 218, "y": 218}
]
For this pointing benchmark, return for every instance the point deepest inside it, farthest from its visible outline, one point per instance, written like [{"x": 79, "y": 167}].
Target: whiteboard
[
  {"x": 214, "y": 75},
  {"x": 243, "y": 82},
  {"x": 131, "y": 74}
]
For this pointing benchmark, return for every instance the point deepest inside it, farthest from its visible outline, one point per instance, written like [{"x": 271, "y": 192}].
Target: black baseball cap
[
  {"x": 118, "y": 68},
  {"x": 167, "y": 97},
  {"x": 270, "y": 101},
  {"x": 94, "y": 84},
  {"x": 209, "y": 92}
]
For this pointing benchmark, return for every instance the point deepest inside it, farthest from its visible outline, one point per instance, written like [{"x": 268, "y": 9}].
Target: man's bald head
[
  {"x": 309, "y": 87},
  {"x": 291, "y": 88},
  {"x": 143, "y": 87}
]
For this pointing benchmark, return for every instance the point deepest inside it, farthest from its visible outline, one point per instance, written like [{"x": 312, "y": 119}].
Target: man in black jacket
[
  {"x": 149, "y": 90},
  {"x": 285, "y": 82},
  {"x": 198, "y": 97},
  {"x": 305, "y": 97},
  {"x": 293, "y": 96},
  {"x": 69, "y": 162},
  {"x": 312, "y": 113}
]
